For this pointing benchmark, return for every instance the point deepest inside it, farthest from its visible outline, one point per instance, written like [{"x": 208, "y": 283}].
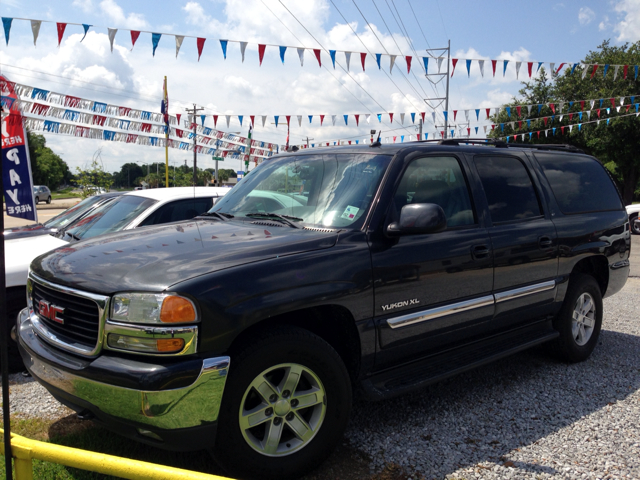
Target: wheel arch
[{"x": 596, "y": 266}]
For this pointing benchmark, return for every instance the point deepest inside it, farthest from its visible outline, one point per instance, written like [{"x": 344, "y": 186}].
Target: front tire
[
  {"x": 285, "y": 406},
  {"x": 632, "y": 219},
  {"x": 580, "y": 319},
  {"x": 49, "y": 201},
  {"x": 37, "y": 200}
]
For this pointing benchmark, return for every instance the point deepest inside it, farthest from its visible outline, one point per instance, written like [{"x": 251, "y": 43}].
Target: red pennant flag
[
  {"x": 455, "y": 113},
  {"x": 469, "y": 131},
  {"x": 391, "y": 117},
  {"x": 441, "y": 133},
  {"x": 519, "y": 124},
  {"x": 613, "y": 102},
  {"x": 179, "y": 133},
  {"x": 288, "y": 117},
  {"x": 538, "y": 132},
  {"x": 327, "y": 144},
  {"x": 625, "y": 69},
  {"x": 321, "y": 120},
  {"x": 394, "y": 139},
  {"x": 252, "y": 117},
  {"x": 595, "y": 68},
  {"x": 408, "y": 59},
  {"x": 598, "y": 113},
  {"x": 488, "y": 112},
  {"x": 570, "y": 116},
  {"x": 363, "y": 55},
  {"x": 552, "y": 107},
  {"x": 215, "y": 120},
  {"x": 178, "y": 115},
  {"x": 559, "y": 68},
  {"x": 261, "y": 52},
  {"x": 357, "y": 119},
  {"x": 493, "y": 64},
  {"x": 349, "y": 142},
  {"x": 529, "y": 67},
  {"x": 134, "y": 38},
  {"x": 454, "y": 62},
  {"x": 581, "y": 104},
  {"x": 317, "y": 53},
  {"x": 562, "y": 129},
  {"x": 519, "y": 110},
  {"x": 200, "y": 42},
  {"x": 546, "y": 119},
  {"x": 627, "y": 109},
  {"x": 422, "y": 113},
  {"x": 493, "y": 126},
  {"x": 61, "y": 27}
]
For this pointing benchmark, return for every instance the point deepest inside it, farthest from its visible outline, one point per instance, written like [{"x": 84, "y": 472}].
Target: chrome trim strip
[
  {"x": 102, "y": 302},
  {"x": 189, "y": 333},
  {"x": 438, "y": 312},
  {"x": 524, "y": 291}
]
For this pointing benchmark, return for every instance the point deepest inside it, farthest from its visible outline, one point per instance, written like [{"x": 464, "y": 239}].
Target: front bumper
[{"x": 177, "y": 418}]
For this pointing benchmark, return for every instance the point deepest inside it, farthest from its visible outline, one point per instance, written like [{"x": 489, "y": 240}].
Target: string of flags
[{"x": 626, "y": 71}]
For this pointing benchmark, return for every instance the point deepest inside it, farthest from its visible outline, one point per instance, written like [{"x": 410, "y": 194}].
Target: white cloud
[
  {"x": 115, "y": 13},
  {"x": 85, "y": 5},
  {"x": 604, "y": 24},
  {"x": 629, "y": 27},
  {"x": 586, "y": 16}
]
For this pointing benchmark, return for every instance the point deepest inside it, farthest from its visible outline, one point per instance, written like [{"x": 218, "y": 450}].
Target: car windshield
[
  {"x": 72, "y": 213},
  {"x": 330, "y": 191},
  {"x": 111, "y": 217}
]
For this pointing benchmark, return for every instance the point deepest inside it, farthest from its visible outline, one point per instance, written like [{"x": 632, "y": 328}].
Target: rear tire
[
  {"x": 580, "y": 319},
  {"x": 49, "y": 200},
  {"x": 634, "y": 230},
  {"x": 299, "y": 394}
]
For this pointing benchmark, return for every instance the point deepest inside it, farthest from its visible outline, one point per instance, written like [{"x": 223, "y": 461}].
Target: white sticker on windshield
[{"x": 350, "y": 212}]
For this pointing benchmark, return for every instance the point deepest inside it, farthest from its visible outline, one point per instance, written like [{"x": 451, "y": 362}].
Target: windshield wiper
[
  {"x": 75, "y": 237},
  {"x": 286, "y": 219},
  {"x": 220, "y": 215}
]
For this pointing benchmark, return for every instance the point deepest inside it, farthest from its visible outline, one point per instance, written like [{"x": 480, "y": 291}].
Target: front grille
[{"x": 81, "y": 315}]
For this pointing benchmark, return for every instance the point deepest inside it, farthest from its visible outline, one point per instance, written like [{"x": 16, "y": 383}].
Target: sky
[{"x": 545, "y": 30}]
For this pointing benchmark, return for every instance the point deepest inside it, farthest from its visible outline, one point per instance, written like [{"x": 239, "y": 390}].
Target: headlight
[{"x": 152, "y": 308}]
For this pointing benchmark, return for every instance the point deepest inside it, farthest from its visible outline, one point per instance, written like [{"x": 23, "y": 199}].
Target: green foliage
[
  {"x": 617, "y": 144},
  {"x": 47, "y": 167},
  {"x": 94, "y": 176},
  {"x": 127, "y": 175}
]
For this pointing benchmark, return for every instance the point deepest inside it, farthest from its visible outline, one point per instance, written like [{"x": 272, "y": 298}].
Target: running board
[{"x": 418, "y": 374}]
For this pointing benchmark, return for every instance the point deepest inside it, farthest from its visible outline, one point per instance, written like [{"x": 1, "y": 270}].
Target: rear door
[{"x": 523, "y": 239}]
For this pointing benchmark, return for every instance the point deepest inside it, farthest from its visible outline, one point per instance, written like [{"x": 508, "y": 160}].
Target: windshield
[
  {"x": 72, "y": 213},
  {"x": 111, "y": 217},
  {"x": 331, "y": 191}
]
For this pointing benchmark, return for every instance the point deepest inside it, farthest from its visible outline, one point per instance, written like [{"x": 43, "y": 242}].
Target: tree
[
  {"x": 47, "y": 167},
  {"x": 128, "y": 174},
  {"x": 614, "y": 141},
  {"x": 95, "y": 175}
]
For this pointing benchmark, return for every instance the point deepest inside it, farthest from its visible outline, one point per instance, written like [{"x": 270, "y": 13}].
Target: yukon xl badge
[{"x": 405, "y": 303}]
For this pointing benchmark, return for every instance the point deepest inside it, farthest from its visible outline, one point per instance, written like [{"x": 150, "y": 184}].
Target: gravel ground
[{"x": 527, "y": 416}]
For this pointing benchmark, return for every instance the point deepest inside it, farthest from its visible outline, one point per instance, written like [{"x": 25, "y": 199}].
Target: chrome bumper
[{"x": 195, "y": 405}]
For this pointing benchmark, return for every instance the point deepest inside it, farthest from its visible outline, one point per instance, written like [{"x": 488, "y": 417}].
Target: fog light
[
  {"x": 150, "y": 434},
  {"x": 145, "y": 345}
]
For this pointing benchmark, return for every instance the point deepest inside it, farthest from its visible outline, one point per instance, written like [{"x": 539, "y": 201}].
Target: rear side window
[
  {"x": 508, "y": 187},
  {"x": 579, "y": 183},
  {"x": 179, "y": 210}
]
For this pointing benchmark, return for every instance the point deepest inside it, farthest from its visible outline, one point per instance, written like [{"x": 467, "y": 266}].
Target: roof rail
[
  {"x": 502, "y": 144},
  {"x": 548, "y": 146}
]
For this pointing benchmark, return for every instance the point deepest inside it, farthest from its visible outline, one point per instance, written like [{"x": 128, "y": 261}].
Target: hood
[
  {"x": 18, "y": 254},
  {"x": 27, "y": 231},
  {"x": 154, "y": 258}
]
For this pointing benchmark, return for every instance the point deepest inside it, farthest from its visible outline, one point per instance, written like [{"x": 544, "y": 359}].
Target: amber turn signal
[
  {"x": 170, "y": 344},
  {"x": 177, "y": 310}
]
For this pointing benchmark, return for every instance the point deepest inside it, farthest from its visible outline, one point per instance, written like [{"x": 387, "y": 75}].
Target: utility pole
[
  {"x": 193, "y": 111},
  {"x": 307, "y": 139},
  {"x": 420, "y": 129}
]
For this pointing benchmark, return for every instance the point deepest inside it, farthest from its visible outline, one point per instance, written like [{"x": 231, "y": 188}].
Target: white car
[
  {"x": 133, "y": 209},
  {"x": 634, "y": 222}
]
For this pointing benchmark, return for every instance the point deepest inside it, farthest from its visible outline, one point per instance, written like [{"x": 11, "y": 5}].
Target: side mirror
[{"x": 418, "y": 218}]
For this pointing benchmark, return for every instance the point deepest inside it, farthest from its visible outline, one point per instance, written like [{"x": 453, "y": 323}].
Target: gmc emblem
[{"x": 51, "y": 311}]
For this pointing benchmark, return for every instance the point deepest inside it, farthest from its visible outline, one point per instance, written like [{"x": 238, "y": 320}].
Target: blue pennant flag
[
  {"x": 346, "y": 118},
  {"x": 476, "y": 130},
  {"x": 276, "y": 119},
  {"x": 502, "y": 127},
  {"x": 539, "y": 65},
  {"x": 637, "y": 105},
  {"x": 155, "y": 39},
  {"x": 528, "y": 123},
  {"x": 207, "y": 130},
  {"x": 86, "y": 29},
  {"x": 553, "y": 118},
  {"x": 539, "y": 108},
  {"x": 39, "y": 94},
  {"x": 452, "y": 133},
  {"x": 606, "y": 69},
  {"x": 108, "y": 135},
  {"x": 143, "y": 115},
  {"x": 570, "y": 105},
  {"x": 378, "y": 57},
  {"x": 426, "y": 64},
  {"x": 508, "y": 109},
  {"x": 313, "y": 145},
  {"x": 608, "y": 120},
  {"x": 553, "y": 130},
  {"x": 401, "y": 138},
  {"x": 573, "y": 68},
  {"x": 51, "y": 126},
  {"x": 504, "y": 69},
  {"x": 332, "y": 54},
  {"x": 202, "y": 117},
  {"x": 426, "y": 136},
  {"x": 379, "y": 118},
  {"x": 357, "y": 141},
  {"x": 633, "y": 99},
  {"x": 100, "y": 107},
  {"x": 282, "y": 50},
  {"x": 580, "y": 115},
  {"x": 413, "y": 118},
  {"x": 153, "y": 141},
  {"x": 468, "y": 67},
  {"x": 6, "y": 23},
  {"x": 240, "y": 118},
  {"x": 478, "y": 114},
  {"x": 530, "y": 133},
  {"x": 446, "y": 115},
  {"x": 507, "y": 139},
  {"x": 310, "y": 118},
  {"x": 601, "y": 100},
  {"x": 579, "y": 127},
  {"x": 223, "y": 44}
]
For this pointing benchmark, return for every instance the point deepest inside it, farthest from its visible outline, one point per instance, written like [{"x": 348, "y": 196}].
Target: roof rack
[{"x": 502, "y": 144}]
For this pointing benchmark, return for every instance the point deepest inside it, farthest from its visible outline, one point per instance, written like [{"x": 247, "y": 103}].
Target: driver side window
[{"x": 436, "y": 180}]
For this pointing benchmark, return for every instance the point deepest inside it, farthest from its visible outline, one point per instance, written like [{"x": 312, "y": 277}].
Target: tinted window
[
  {"x": 508, "y": 189},
  {"x": 178, "y": 210},
  {"x": 579, "y": 183},
  {"x": 436, "y": 180},
  {"x": 74, "y": 212}
]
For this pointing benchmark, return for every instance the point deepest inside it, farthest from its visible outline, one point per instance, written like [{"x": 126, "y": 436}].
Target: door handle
[
  {"x": 480, "y": 251},
  {"x": 545, "y": 242}
]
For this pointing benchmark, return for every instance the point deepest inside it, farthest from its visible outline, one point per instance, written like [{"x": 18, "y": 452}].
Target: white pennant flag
[
  {"x": 264, "y": 119},
  {"x": 621, "y": 100},
  {"x": 561, "y": 117},
  {"x": 512, "y": 125},
  {"x": 522, "y": 137},
  {"x": 485, "y": 129},
  {"x": 440, "y": 59},
  {"x": 35, "y": 28},
  {"x": 179, "y": 39},
  {"x": 112, "y": 36},
  {"x": 588, "y": 115},
  {"x": 615, "y": 71},
  {"x": 228, "y": 119},
  {"x": 496, "y": 111},
  {"x": 333, "y": 120},
  {"x": 585, "y": 67},
  {"x": 481, "y": 65},
  {"x": 618, "y": 109},
  {"x": 301, "y": 55},
  {"x": 347, "y": 57},
  {"x": 561, "y": 106},
  {"x": 433, "y": 114},
  {"x": 466, "y": 115},
  {"x": 243, "y": 47},
  {"x": 368, "y": 118},
  {"x": 392, "y": 60},
  {"x": 518, "y": 65},
  {"x": 299, "y": 120},
  {"x": 570, "y": 128},
  {"x": 593, "y": 103},
  {"x": 402, "y": 118},
  {"x": 552, "y": 67},
  {"x": 598, "y": 122}
]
